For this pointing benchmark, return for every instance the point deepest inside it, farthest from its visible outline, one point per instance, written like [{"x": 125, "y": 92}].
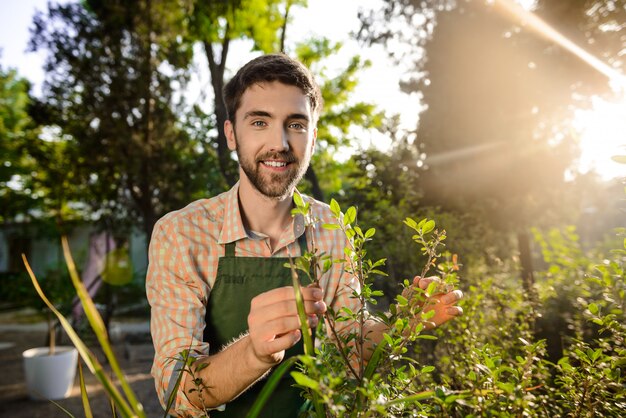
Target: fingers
[
  {"x": 452, "y": 297},
  {"x": 454, "y": 310},
  {"x": 281, "y": 302},
  {"x": 273, "y": 351},
  {"x": 286, "y": 294},
  {"x": 423, "y": 282},
  {"x": 273, "y": 321}
]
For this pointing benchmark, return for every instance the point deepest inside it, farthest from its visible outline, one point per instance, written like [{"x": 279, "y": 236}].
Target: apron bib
[{"x": 238, "y": 281}]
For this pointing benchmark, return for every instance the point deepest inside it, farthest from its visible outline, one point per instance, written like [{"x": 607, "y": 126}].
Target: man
[{"x": 216, "y": 279}]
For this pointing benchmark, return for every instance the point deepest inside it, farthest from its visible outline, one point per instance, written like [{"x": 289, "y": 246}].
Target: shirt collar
[{"x": 233, "y": 229}]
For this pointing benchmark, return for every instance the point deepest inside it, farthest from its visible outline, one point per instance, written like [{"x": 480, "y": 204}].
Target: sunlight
[
  {"x": 602, "y": 132},
  {"x": 602, "y": 128},
  {"x": 529, "y": 19},
  {"x": 527, "y": 4}
]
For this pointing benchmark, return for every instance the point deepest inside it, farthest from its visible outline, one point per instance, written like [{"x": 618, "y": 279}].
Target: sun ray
[{"x": 538, "y": 25}]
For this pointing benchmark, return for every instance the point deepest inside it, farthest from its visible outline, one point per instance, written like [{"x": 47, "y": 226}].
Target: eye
[
  {"x": 297, "y": 126},
  {"x": 259, "y": 123}
]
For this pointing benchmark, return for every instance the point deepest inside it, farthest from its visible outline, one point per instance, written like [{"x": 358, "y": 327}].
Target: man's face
[{"x": 274, "y": 136}]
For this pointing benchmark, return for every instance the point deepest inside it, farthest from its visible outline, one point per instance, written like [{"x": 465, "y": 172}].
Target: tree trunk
[
  {"x": 283, "y": 33},
  {"x": 528, "y": 280},
  {"x": 227, "y": 166}
]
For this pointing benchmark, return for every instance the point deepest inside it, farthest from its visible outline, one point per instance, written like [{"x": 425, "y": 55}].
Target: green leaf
[
  {"x": 350, "y": 216},
  {"x": 507, "y": 387},
  {"x": 430, "y": 290},
  {"x": 305, "y": 381},
  {"x": 427, "y": 369},
  {"x": 331, "y": 226},
  {"x": 410, "y": 223},
  {"x": 428, "y": 227},
  {"x": 593, "y": 308},
  {"x": 370, "y": 233},
  {"x": 596, "y": 354},
  {"x": 297, "y": 199},
  {"x": 334, "y": 208},
  {"x": 413, "y": 398}
]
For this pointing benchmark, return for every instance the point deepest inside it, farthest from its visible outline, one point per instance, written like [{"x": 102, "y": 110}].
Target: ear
[{"x": 229, "y": 131}]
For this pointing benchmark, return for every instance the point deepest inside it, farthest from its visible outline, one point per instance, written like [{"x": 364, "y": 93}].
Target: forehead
[{"x": 275, "y": 98}]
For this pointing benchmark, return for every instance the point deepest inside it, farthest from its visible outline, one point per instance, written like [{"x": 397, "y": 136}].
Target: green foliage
[
  {"x": 16, "y": 128},
  {"x": 343, "y": 378},
  {"x": 492, "y": 361},
  {"x": 115, "y": 106}
]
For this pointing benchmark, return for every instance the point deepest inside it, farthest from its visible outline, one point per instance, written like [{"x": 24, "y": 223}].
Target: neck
[{"x": 269, "y": 216}]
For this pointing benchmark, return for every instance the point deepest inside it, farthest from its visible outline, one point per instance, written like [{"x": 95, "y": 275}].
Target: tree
[
  {"x": 113, "y": 70},
  {"x": 499, "y": 97},
  {"x": 218, "y": 24},
  {"x": 15, "y": 129}
]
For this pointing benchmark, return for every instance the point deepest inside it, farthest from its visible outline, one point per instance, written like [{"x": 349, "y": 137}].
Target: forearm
[{"x": 228, "y": 374}]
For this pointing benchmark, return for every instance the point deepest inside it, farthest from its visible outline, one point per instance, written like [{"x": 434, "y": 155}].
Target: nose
[{"x": 280, "y": 140}]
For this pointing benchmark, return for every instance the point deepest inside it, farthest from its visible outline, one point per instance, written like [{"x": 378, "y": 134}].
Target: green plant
[
  {"x": 347, "y": 374},
  {"x": 487, "y": 363},
  {"x": 125, "y": 401}
]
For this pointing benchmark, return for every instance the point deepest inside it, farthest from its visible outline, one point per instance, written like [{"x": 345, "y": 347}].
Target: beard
[{"x": 273, "y": 185}]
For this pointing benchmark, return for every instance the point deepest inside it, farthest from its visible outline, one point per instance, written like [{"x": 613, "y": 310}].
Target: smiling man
[{"x": 216, "y": 279}]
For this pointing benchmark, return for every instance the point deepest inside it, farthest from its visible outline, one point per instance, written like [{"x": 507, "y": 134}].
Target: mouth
[{"x": 275, "y": 163}]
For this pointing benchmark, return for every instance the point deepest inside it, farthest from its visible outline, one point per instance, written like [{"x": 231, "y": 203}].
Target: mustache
[{"x": 286, "y": 156}]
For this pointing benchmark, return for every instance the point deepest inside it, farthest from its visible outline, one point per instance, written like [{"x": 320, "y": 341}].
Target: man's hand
[
  {"x": 273, "y": 322},
  {"x": 442, "y": 303}
]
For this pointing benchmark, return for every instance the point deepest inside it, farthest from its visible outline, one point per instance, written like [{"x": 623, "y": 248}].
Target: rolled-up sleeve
[{"x": 177, "y": 299}]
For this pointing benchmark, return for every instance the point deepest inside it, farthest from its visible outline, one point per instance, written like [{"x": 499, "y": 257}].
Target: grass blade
[
  {"x": 413, "y": 398},
  {"x": 83, "y": 392},
  {"x": 304, "y": 323},
  {"x": 88, "y": 357},
  {"x": 97, "y": 324},
  {"x": 270, "y": 386},
  {"x": 172, "y": 398},
  {"x": 58, "y": 405},
  {"x": 306, "y": 332},
  {"x": 375, "y": 359}
]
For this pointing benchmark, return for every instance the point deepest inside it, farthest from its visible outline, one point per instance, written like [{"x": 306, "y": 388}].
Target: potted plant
[{"x": 50, "y": 369}]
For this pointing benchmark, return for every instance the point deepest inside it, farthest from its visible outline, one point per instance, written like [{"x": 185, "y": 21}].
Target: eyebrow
[{"x": 262, "y": 113}]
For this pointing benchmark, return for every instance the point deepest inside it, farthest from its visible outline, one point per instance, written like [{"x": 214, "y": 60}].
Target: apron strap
[
  {"x": 230, "y": 247},
  {"x": 302, "y": 243}
]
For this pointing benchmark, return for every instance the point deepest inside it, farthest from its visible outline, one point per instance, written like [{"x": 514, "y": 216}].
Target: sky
[{"x": 601, "y": 128}]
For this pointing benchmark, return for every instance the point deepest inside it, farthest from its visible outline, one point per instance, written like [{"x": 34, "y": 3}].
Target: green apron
[{"x": 239, "y": 279}]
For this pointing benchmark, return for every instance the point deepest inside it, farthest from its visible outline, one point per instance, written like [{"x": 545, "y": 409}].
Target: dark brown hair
[{"x": 268, "y": 68}]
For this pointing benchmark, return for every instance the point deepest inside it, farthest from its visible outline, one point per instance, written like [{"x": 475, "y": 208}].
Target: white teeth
[{"x": 275, "y": 163}]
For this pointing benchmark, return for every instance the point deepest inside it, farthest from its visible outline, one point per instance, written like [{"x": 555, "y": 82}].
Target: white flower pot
[{"x": 50, "y": 377}]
